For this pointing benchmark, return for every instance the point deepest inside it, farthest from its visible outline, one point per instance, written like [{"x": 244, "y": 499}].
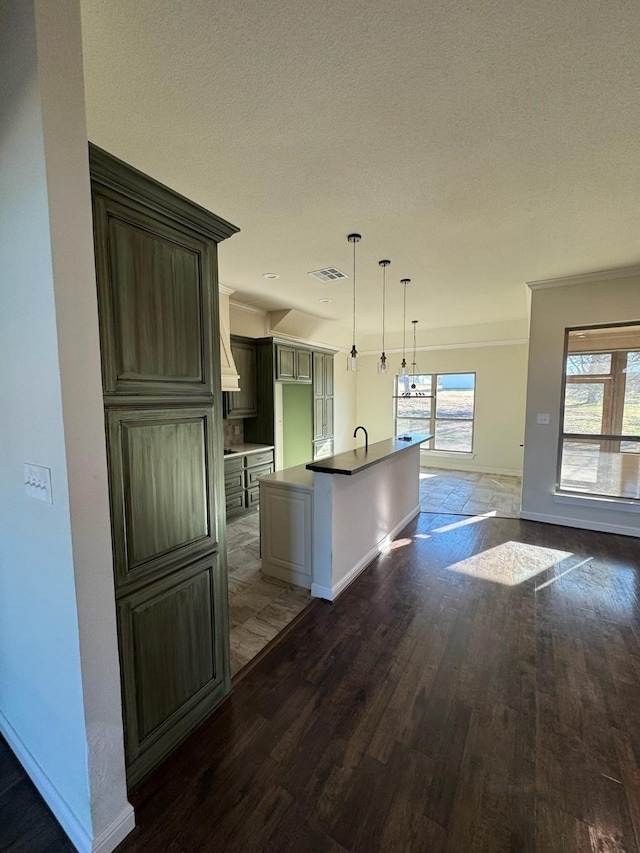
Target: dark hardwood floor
[{"x": 476, "y": 689}]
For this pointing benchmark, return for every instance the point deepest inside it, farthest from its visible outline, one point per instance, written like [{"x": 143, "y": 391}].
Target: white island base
[{"x": 320, "y": 529}]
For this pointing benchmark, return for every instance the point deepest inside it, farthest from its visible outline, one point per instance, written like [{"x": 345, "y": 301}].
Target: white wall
[
  {"x": 59, "y": 677},
  {"x": 499, "y": 411},
  {"x": 585, "y": 300}
]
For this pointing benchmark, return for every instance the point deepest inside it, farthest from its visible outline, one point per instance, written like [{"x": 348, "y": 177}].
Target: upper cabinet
[
  {"x": 293, "y": 364},
  {"x": 243, "y": 403},
  {"x": 156, "y": 262},
  {"x": 322, "y": 401}
]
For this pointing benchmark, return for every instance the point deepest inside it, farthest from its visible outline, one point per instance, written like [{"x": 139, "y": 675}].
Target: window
[
  {"x": 600, "y": 438},
  {"x": 438, "y": 404}
]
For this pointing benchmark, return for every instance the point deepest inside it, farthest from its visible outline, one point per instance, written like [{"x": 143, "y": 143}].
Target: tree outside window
[{"x": 600, "y": 440}]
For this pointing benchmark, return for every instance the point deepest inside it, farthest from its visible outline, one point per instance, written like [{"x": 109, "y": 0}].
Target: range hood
[{"x": 230, "y": 376}]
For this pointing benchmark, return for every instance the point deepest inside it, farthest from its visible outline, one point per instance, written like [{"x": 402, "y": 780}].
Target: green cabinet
[
  {"x": 242, "y": 472},
  {"x": 243, "y": 403},
  {"x": 293, "y": 364},
  {"x": 322, "y": 404},
  {"x": 156, "y": 271}
]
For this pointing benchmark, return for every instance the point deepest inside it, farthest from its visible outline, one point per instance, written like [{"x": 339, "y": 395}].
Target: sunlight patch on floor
[
  {"x": 511, "y": 563},
  {"x": 471, "y": 520}
]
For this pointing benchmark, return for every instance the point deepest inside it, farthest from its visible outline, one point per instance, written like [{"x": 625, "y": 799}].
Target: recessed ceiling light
[
  {"x": 270, "y": 275},
  {"x": 324, "y": 300}
]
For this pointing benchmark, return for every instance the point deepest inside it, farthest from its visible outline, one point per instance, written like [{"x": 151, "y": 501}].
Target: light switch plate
[
  {"x": 37, "y": 482},
  {"x": 542, "y": 419}
]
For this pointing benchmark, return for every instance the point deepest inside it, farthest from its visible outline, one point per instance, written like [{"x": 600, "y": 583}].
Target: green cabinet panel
[
  {"x": 172, "y": 668},
  {"x": 322, "y": 396},
  {"x": 162, "y": 497},
  {"x": 243, "y": 403},
  {"x": 328, "y": 375},
  {"x": 285, "y": 362},
  {"x": 155, "y": 291},
  {"x": 303, "y": 365}
]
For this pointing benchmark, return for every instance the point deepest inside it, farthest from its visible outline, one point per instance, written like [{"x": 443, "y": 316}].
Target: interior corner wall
[
  {"x": 59, "y": 675},
  {"x": 553, "y": 310},
  {"x": 499, "y": 403}
]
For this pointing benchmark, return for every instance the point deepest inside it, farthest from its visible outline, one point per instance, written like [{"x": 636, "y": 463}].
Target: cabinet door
[
  {"x": 327, "y": 431},
  {"x": 155, "y": 298},
  {"x": 318, "y": 374},
  {"x": 328, "y": 375},
  {"x": 172, "y": 663},
  {"x": 243, "y": 403},
  {"x": 161, "y": 481},
  {"x": 285, "y": 362},
  {"x": 303, "y": 365}
]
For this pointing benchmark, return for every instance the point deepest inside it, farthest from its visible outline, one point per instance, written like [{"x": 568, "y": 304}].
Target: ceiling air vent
[{"x": 328, "y": 274}]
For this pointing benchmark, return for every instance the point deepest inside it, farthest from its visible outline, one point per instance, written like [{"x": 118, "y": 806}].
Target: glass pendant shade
[{"x": 353, "y": 362}]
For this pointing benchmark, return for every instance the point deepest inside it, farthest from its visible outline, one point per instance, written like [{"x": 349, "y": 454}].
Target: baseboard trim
[
  {"x": 64, "y": 815},
  {"x": 428, "y": 461},
  {"x": 108, "y": 839},
  {"x": 331, "y": 593},
  {"x": 581, "y": 524},
  {"x": 116, "y": 832}
]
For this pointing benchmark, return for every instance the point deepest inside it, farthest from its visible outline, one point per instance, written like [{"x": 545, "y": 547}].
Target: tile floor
[
  {"x": 469, "y": 493},
  {"x": 259, "y": 607}
]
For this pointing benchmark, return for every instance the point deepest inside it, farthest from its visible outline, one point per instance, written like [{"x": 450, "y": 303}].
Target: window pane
[
  {"x": 582, "y": 364},
  {"x": 414, "y": 407},
  {"x": 455, "y": 395},
  {"x": 453, "y": 435},
  {"x": 583, "y": 407},
  {"x": 599, "y": 468},
  {"x": 631, "y": 416},
  {"x": 422, "y": 383},
  {"x": 407, "y": 426}
]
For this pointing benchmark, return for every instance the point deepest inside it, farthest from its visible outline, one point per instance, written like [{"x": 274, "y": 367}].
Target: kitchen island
[{"x": 322, "y": 524}]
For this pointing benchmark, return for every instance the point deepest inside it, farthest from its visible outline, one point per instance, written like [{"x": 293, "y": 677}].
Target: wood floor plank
[{"x": 475, "y": 690}]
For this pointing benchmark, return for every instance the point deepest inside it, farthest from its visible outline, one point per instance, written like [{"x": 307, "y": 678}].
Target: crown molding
[
  {"x": 249, "y": 309},
  {"x": 224, "y": 288},
  {"x": 306, "y": 341},
  {"x": 470, "y": 345},
  {"x": 584, "y": 278}
]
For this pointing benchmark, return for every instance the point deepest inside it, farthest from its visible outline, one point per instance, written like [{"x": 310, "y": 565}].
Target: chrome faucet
[{"x": 366, "y": 437}]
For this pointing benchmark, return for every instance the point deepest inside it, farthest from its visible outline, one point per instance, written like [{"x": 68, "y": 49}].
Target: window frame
[
  {"x": 433, "y": 417},
  {"x": 615, "y": 408}
]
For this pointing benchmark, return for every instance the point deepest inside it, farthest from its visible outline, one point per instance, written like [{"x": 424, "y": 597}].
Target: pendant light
[
  {"x": 352, "y": 358},
  {"x": 403, "y": 363},
  {"x": 383, "y": 367}
]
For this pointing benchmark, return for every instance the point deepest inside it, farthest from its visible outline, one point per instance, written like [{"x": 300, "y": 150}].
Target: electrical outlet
[
  {"x": 236, "y": 430},
  {"x": 543, "y": 419},
  {"x": 37, "y": 482}
]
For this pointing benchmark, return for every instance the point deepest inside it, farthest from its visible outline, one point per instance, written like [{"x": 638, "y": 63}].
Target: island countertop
[{"x": 354, "y": 461}]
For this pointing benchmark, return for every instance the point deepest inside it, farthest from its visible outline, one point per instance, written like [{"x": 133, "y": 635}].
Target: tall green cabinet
[{"x": 156, "y": 265}]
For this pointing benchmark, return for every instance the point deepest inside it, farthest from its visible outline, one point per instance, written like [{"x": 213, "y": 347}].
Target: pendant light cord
[
  {"x": 404, "y": 324},
  {"x": 353, "y": 340}
]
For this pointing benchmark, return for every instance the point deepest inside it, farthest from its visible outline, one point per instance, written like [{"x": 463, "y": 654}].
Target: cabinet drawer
[
  {"x": 255, "y": 459},
  {"x": 233, "y": 482},
  {"x": 253, "y": 496},
  {"x": 235, "y": 502},
  {"x": 253, "y": 474},
  {"x": 233, "y": 464}
]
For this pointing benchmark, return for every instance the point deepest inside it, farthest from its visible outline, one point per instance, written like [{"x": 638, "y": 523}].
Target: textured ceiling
[{"x": 477, "y": 145}]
